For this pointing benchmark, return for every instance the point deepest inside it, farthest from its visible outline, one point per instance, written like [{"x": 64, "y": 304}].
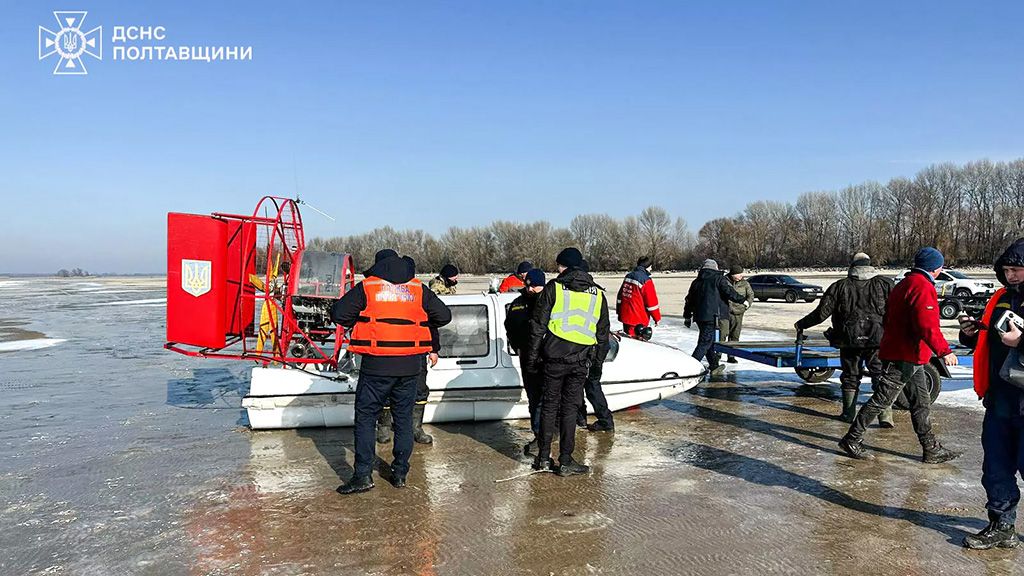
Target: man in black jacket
[
  {"x": 857, "y": 305},
  {"x": 707, "y": 302},
  {"x": 1002, "y": 431},
  {"x": 391, "y": 313},
  {"x": 517, "y": 328},
  {"x": 569, "y": 332}
]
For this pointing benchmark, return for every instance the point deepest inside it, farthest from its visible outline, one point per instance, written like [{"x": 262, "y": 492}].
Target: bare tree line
[
  {"x": 606, "y": 242},
  {"x": 969, "y": 212}
]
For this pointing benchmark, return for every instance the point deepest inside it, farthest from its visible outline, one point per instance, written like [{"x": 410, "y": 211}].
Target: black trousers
[
  {"x": 898, "y": 376},
  {"x": 371, "y": 393},
  {"x": 595, "y": 395},
  {"x": 857, "y": 363},
  {"x": 706, "y": 342},
  {"x": 421, "y": 386},
  {"x": 533, "y": 383},
  {"x": 563, "y": 395}
]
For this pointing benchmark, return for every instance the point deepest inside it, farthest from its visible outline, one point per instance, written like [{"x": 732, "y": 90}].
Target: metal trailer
[{"x": 815, "y": 361}]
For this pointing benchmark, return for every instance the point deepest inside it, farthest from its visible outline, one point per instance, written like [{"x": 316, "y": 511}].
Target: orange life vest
[
  {"x": 394, "y": 322},
  {"x": 981, "y": 351}
]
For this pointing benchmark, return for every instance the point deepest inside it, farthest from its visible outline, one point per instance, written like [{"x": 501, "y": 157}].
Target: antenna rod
[{"x": 314, "y": 208}]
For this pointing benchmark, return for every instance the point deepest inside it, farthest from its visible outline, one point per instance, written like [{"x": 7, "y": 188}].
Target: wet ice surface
[{"x": 118, "y": 457}]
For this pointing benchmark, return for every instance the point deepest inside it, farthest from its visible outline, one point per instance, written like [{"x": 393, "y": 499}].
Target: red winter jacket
[
  {"x": 637, "y": 301},
  {"x": 911, "y": 325},
  {"x": 510, "y": 283}
]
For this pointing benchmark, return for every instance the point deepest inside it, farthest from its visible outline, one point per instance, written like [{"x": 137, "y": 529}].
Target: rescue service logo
[
  {"x": 70, "y": 43},
  {"x": 195, "y": 276}
]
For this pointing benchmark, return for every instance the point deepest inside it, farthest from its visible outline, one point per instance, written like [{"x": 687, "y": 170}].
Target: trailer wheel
[
  {"x": 790, "y": 296},
  {"x": 949, "y": 309},
  {"x": 931, "y": 374},
  {"x": 815, "y": 375}
]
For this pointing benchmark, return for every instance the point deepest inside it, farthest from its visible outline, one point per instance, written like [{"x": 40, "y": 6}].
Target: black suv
[{"x": 783, "y": 287}]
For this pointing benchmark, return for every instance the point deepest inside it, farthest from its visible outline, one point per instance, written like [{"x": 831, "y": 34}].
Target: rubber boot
[
  {"x": 849, "y": 413},
  {"x": 885, "y": 418},
  {"x": 384, "y": 426},
  {"x": 418, "y": 434}
]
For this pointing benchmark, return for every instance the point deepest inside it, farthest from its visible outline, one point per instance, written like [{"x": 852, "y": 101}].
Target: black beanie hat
[
  {"x": 449, "y": 271},
  {"x": 570, "y": 258},
  {"x": 383, "y": 254},
  {"x": 524, "y": 267}
]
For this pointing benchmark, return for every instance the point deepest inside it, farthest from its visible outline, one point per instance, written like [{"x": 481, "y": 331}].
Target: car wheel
[
  {"x": 815, "y": 375},
  {"x": 808, "y": 299},
  {"x": 949, "y": 309},
  {"x": 934, "y": 383},
  {"x": 962, "y": 293},
  {"x": 790, "y": 296}
]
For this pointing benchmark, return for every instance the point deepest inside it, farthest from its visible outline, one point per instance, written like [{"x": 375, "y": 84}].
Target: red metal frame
[{"x": 279, "y": 239}]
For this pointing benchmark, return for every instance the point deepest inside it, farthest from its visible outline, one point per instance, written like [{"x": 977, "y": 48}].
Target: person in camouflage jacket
[{"x": 730, "y": 327}]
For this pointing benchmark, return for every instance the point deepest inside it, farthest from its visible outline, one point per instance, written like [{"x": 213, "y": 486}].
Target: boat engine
[{"x": 245, "y": 287}]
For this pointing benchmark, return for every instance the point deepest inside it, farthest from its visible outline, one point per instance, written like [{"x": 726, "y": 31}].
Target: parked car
[
  {"x": 956, "y": 283},
  {"x": 783, "y": 287}
]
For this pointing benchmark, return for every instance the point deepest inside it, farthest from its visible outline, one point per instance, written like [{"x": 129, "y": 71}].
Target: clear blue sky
[{"x": 432, "y": 114}]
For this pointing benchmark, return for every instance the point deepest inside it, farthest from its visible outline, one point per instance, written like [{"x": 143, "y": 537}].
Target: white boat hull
[
  {"x": 337, "y": 409},
  {"x": 483, "y": 383}
]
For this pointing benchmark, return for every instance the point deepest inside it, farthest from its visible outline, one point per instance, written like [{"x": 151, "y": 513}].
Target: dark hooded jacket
[
  {"x": 709, "y": 296},
  {"x": 517, "y": 325},
  {"x": 345, "y": 312},
  {"x": 857, "y": 307},
  {"x": 1003, "y": 398},
  {"x": 547, "y": 347}
]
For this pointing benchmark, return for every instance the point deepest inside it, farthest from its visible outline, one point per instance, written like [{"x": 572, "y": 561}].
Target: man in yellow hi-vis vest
[{"x": 568, "y": 332}]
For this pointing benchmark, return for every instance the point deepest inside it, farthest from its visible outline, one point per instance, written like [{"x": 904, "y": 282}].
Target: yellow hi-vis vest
[{"x": 575, "y": 315}]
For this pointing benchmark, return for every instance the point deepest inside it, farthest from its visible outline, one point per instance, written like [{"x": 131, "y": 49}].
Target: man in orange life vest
[
  {"x": 518, "y": 280},
  {"x": 391, "y": 315},
  {"x": 1002, "y": 431}
]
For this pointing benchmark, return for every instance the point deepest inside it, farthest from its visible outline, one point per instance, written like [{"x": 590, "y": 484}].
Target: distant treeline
[
  {"x": 74, "y": 272},
  {"x": 969, "y": 212}
]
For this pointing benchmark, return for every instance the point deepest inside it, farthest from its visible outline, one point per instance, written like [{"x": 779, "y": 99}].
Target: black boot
[
  {"x": 418, "y": 434},
  {"x": 601, "y": 426},
  {"x": 384, "y": 426},
  {"x": 732, "y": 360},
  {"x": 571, "y": 467},
  {"x": 397, "y": 480},
  {"x": 356, "y": 484},
  {"x": 849, "y": 406},
  {"x": 995, "y": 535},
  {"x": 543, "y": 463},
  {"x": 934, "y": 453},
  {"x": 853, "y": 448}
]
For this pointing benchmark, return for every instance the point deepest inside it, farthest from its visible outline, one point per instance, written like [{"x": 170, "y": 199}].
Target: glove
[
  {"x": 688, "y": 322},
  {"x": 746, "y": 304}
]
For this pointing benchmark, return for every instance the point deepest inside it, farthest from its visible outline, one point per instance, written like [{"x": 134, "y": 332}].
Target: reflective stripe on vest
[
  {"x": 575, "y": 315},
  {"x": 394, "y": 322},
  {"x": 981, "y": 351}
]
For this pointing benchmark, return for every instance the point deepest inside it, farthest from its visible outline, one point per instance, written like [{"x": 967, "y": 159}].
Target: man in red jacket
[
  {"x": 516, "y": 281},
  {"x": 911, "y": 334},
  {"x": 637, "y": 303}
]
